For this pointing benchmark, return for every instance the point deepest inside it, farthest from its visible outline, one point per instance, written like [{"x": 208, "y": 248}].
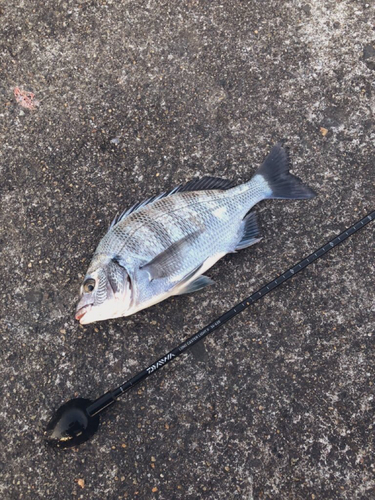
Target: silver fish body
[{"x": 162, "y": 247}]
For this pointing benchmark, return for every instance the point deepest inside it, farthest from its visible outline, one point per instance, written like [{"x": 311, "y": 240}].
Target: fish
[{"x": 161, "y": 247}]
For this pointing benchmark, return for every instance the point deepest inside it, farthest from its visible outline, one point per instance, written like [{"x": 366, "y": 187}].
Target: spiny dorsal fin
[
  {"x": 204, "y": 184},
  {"x": 141, "y": 204}
]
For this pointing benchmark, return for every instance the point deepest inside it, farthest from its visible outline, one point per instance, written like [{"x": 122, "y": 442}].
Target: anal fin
[{"x": 250, "y": 232}]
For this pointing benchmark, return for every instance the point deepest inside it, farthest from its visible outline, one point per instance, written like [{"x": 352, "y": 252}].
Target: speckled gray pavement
[{"x": 136, "y": 97}]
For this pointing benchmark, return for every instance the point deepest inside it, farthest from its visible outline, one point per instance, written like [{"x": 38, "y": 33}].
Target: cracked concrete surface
[{"x": 136, "y": 97}]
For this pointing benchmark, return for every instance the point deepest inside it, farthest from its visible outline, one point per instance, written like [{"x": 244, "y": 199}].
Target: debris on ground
[{"x": 25, "y": 98}]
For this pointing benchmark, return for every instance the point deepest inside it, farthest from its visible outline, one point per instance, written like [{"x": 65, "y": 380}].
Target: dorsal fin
[
  {"x": 141, "y": 204},
  {"x": 204, "y": 184}
]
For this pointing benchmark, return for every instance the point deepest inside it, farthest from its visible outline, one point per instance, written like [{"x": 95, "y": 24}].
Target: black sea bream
[{"x": 162, "y": 246}]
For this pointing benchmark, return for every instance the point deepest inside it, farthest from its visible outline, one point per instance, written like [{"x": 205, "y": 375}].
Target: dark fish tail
[{"x": 281, "y": 183}]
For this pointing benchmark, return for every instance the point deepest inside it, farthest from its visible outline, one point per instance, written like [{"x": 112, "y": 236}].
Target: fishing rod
[{"x": 78, "y": 420}]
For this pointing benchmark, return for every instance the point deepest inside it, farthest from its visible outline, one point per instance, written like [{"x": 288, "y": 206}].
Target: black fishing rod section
[{"x": 78, "y": 420}]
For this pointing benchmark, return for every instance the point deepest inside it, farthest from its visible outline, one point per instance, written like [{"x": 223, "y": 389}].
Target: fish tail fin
[{"x": 278, "y": 182}]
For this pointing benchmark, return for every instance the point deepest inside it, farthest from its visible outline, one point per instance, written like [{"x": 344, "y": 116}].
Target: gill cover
[{"x": 110, "y": 295}]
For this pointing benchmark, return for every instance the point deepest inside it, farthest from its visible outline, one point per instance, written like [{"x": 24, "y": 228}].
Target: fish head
[{"x": 106, "y": 291}]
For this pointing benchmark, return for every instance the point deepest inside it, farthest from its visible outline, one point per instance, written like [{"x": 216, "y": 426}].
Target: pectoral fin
[
  {"x": 193, "y": 286},
  {"x": 168, "y": 262}
]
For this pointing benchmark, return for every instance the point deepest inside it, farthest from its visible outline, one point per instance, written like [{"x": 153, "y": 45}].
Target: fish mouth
[{"x": 82, "y": 311}]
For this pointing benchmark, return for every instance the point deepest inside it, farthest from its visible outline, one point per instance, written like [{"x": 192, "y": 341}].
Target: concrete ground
[{"x": 136, "y": 97}]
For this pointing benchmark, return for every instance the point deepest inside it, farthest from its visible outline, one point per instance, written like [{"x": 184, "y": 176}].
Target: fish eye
[{"x": 89, "y": 285}]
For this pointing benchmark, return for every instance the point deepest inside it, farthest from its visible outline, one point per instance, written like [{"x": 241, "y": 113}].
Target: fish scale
[
  {"x": 168, "y": 220},
  {"x": 165, "y": 244}
]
